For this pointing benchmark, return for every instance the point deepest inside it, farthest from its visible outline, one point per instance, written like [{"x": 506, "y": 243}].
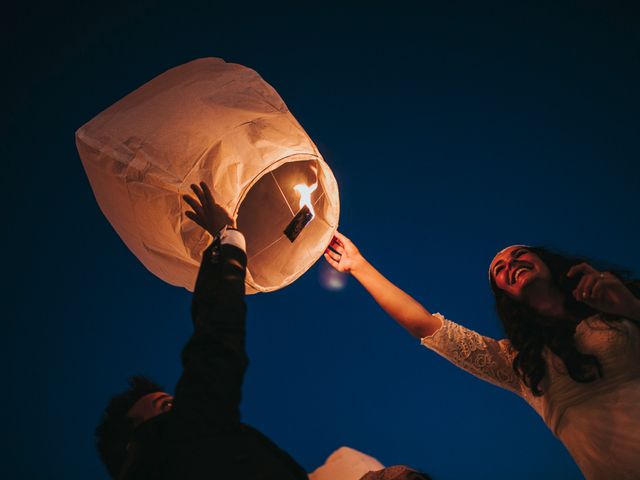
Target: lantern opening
[{"x": 286, "y": 218}]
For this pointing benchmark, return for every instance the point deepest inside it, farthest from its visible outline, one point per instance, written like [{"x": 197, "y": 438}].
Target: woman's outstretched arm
[
  {"x": 345, "y": 257},
  {"x": 484, "y": 357}
]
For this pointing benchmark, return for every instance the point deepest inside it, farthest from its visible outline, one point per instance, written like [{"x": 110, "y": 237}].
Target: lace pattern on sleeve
[{"x": 484, "y": 357}]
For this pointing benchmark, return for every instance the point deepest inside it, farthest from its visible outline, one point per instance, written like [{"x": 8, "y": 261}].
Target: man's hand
[
  {"x": 604, "y": 292},
  {"x": 343, "y": 255},
  {"x": 206, "y": 213}
]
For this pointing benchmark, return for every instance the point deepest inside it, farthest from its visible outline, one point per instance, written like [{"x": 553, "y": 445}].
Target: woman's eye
[{"x": 167, "y": 405}]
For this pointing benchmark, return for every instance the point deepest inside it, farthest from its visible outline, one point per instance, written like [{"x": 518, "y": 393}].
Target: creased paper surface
[{"x": 210, "y": 121}]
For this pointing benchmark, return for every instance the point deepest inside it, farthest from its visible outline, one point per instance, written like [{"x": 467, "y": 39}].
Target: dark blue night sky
[{"x": 453, "y": 132}]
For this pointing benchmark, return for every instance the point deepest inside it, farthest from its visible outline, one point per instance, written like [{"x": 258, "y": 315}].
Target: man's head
[
  {"x": 140, "y": 402},
  {"x": 396, "y": 472}
]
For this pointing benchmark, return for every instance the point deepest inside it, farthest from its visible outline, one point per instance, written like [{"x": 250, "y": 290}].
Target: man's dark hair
[
  {"x": 115, "y": 428},
  {"x": 396, "y": 472}
]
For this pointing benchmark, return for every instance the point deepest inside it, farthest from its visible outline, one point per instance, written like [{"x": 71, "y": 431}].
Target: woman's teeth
[{"x": 519, "y": 272}]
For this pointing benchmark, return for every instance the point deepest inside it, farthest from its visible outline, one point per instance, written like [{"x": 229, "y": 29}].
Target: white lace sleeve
[{"x": 481, "y": 356}]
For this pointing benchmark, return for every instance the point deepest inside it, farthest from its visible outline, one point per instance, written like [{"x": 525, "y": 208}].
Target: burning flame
[{"x": 305, "y": 192}]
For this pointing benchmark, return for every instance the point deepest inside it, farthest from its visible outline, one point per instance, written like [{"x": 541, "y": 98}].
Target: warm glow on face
[{"x": 305, "y": 192}]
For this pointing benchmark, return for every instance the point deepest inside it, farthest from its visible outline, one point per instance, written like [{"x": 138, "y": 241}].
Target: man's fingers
[
  {"x": 221, "y": 212},
  {"x": 207, "y": 193},
  {"x": 199, "y": 193},
  {"x": 195, "y": 218},
  {"x": 193, "y": 203},
  {"x": 192, "y": 216}
]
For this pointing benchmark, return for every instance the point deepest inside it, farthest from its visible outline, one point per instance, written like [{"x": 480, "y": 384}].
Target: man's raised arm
[{"x": 214, "y": 360}]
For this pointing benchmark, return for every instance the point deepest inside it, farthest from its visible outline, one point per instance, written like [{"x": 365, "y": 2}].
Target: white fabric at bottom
[{"x": 346, "y": 464}]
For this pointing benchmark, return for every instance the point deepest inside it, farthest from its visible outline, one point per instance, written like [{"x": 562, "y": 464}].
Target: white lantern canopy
[{"x": 220, "y": 123}]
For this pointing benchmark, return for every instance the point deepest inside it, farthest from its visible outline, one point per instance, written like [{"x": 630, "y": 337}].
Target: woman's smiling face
[{"x": 516, "y": 267}]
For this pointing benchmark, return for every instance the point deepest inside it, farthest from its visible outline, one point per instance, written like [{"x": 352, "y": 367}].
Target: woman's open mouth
[{"x": 518, "y": 272}]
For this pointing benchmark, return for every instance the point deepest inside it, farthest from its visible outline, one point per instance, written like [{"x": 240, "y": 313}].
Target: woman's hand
[
  {"x": 206, "y": 213},
  {"x": 343, "y": 255},
  {"x": 604, "y": 292}
]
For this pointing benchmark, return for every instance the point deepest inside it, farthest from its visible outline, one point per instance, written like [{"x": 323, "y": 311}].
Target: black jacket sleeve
[
  {"x": 214, "y": 360},
  {"x": 202, "y": 437}
]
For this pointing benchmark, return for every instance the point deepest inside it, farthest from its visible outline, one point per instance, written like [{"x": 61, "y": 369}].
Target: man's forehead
[{"x": 145, "y": 402}]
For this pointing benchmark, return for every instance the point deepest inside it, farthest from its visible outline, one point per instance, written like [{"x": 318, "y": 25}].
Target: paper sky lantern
[{"x": 221, "y": 123}]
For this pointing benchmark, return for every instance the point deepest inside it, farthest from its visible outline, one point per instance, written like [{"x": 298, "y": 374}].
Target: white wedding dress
[
  {"x": 346, "y": 464},
  {"x": 598, "y": 422}
]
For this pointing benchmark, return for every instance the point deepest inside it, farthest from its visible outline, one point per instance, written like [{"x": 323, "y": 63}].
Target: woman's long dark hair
[{"x": 530, "y": 332}]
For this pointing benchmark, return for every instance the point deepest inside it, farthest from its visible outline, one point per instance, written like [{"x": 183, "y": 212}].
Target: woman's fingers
[
  {"x": 331, "y": 261},
  {"x": 577, "y": 292},
  {"x": 581, "y": 268},
  {"x": 336, "y": 247},
  {"x": 341, "y": 238},
  {"x": 590, "y": 277},
  {"x": 598, "y": 287},
  {"x": 587, "y": 287}
]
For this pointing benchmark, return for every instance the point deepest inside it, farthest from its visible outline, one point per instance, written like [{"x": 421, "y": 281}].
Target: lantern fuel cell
[{"x": 302, "y": 218}]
